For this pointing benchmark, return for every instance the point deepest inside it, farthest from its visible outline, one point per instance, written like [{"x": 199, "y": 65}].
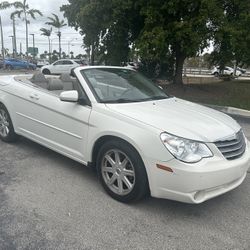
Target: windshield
[{"x": 116, "y": 85}]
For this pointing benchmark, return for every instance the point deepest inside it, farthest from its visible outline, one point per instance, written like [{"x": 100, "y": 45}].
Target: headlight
[{"x": 185, "y": 150}]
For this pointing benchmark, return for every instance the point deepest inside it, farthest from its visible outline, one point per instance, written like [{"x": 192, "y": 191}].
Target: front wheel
[
  {"x": 7, "y": 132},
  {"x": 122, "y": 172},
  {"x": 46, "y": 72}
]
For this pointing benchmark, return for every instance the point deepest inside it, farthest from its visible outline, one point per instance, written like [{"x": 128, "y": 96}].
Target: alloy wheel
[
  {"x": 4, "y": 123},
  {"x": 118, "y": 172}
]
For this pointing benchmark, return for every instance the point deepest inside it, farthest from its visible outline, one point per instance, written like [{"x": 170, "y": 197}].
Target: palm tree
[
  {"x": 3, "y": 5},
  {"x": 58, "y": 24},
  {"x": 47, "y": 32},
  {"x": 23, "y": 9}
]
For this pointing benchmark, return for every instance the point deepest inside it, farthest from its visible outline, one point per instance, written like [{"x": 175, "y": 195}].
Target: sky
[{"x": 71, "y": 39}]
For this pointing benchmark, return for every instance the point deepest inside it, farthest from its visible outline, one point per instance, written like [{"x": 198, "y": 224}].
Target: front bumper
[{"x": 196, "y": 183}]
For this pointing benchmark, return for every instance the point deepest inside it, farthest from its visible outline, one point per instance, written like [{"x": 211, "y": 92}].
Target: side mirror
[{"x": 69, "y": 96}]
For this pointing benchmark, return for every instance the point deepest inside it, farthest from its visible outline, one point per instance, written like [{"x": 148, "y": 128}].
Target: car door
[
  {"x": 68, "y": 65},
  {"x": 44, "y": 118},
  {"x": 57, "y": 67},
  {"x": 22, "y": 64}
]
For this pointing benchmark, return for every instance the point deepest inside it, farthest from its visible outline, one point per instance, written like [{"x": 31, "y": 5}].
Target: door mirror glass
[{"x": 69, "y": 96}]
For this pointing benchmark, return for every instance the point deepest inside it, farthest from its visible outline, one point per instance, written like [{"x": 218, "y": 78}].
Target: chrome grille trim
[{"x": 234, "y": 148}]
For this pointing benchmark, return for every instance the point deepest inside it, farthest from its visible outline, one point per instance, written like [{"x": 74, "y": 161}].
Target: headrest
[
  {"x": 38, "y": 77},
  {"x": 55, "y": 84},
  {"x": 65, "y": 77}
]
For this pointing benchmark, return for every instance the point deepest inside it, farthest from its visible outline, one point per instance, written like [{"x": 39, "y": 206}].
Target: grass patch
[{"x": 234, "y": 93}]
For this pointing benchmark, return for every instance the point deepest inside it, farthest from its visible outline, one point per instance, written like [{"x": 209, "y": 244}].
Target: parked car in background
[
  {"x": 13, "y": 63},
  {"x": 243, "y": 71},
  {"x": 62, "y": 66},
  {"x": 41, "y": 62},
  {"x": 226, "y": 71},
  {"x": 134, "y": 134}
]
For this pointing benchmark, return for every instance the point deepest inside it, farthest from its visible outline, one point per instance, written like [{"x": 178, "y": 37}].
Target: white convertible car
[{"x": 138, "y": 138}]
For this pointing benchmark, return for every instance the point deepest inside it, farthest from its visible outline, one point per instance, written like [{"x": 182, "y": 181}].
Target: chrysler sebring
[{"x": 140, "y": 140}]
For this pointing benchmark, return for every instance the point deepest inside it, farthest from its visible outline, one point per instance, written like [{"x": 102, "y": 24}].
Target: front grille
[{"x": 234, "y": 148}]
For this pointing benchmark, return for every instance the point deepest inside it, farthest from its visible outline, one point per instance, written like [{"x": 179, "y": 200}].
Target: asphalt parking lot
[{"x": 48, "y": 201}]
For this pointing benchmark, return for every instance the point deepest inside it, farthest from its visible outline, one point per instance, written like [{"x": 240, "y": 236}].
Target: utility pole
[
  {"x": 21, "y": 52},
  {"x": 1, "y": 28},
  {"x": 14, "y": 37},
  {"x": 33, "y": 35},
  {"x": 13, "y": 50}
]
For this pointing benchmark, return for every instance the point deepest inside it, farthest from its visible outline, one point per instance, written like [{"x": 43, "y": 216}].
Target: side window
[
  {"x": 66, "y": 62},
  {"x": 59, "y": 63}
]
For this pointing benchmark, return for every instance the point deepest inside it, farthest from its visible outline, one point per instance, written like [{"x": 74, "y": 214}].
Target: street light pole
[
  {"x": 33, "y": 35},
  {"x": 69, "y": 42},
  {"x": 13, "y": 49},
  {"x": 14, "y": 37},
  {"x": 1, "y": 28}
]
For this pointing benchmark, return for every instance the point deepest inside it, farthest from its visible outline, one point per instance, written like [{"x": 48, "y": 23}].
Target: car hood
[{"x": 181, "y": 118}]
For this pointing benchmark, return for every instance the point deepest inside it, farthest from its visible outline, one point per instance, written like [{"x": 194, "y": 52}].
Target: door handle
[{"x": 34, "y": 96}]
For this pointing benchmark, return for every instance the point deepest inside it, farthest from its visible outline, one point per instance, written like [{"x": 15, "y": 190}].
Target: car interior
[
  {"x": 65, "y": 82},
  {"x": 53, "y": 84}
]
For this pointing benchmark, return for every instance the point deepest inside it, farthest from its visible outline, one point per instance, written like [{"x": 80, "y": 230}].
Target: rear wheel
[
  {"x": 7, "y": 132},
  {"x": 9, "y": 67},
  {"x": 216, "y": 74},
  {"x": 46, "y": 72},
  {"x": 122, "y": 172}
]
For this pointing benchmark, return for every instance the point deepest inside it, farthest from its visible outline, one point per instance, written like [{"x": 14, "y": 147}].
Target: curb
[{"x": 231, "y": 110}]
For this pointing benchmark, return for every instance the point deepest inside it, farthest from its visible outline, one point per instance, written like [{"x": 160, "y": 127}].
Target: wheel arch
[
  {"x": 102, "y": 140},
  {"x": 2, "y": 102}
]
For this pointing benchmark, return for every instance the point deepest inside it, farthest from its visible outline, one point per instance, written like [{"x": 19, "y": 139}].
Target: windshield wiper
[
  {"x": 121, "y": 100},
  {"x": 158, "y": 97}
]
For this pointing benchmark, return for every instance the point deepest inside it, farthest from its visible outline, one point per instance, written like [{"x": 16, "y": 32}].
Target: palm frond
[
  {"x": 18, "y": 5},
  {"x": 56, "y": 22},
  {"x": 33, "y": 12},
  {"x": 5, "y": 5},
  {"x": 46, "y": 32},
  {"x": 17, "y": 13}
]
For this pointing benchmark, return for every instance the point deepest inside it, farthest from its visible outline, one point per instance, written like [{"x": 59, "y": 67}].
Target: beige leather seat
[
  {"x": 55, "y": 86},
  {"x": 40, "y": 80},
  {"x": 67, "y": 82}
]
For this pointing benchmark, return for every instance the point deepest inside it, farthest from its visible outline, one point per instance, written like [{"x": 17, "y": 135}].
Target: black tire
[
  {"x": 9, "y": 67},
  {"x": 140, "y": 187},
  {"x": 10, "y": 136},
  {"x": 31, "y": 68},
  {"x": 46, "y": 72},
  {"x": 216, "y": 74}
]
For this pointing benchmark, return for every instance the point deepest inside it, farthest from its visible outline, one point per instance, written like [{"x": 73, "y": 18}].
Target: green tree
[
  {"x": 180, "y": 28},
  {"x": 24, "y": 10},
  {"x": 232, "y": 37},
  {"x": 58, "y": 24},
  {"x": 164, "y": 33},
  {"x": 92, "y": 18},
  {"x": 64, "y": 56},
  {"x": 47, "y": 32}
]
